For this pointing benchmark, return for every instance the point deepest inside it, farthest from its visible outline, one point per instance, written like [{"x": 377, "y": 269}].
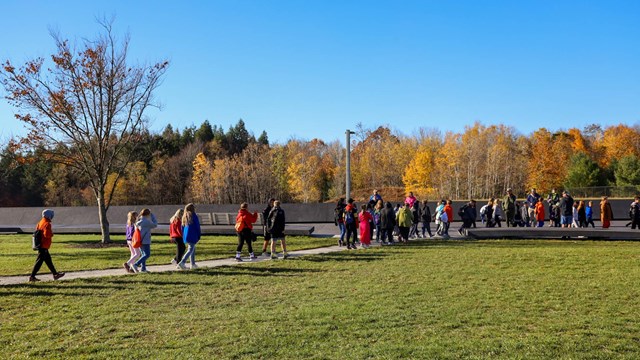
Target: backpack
[
  {"x": 461, "y": 210},
  {"x": 348, "y": 217},
  {"x": 136, "y": 239},
  {"x": 36, "y": 240},
  {"x": 239, "y": 226},
  {"x": 483, "y": 210}
]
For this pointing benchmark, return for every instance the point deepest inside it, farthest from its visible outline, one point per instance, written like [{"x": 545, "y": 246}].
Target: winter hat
[{"x": 48, "y": 213}]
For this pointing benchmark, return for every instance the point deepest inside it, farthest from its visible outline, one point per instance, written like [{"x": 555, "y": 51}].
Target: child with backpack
[
  {"x": 135, "y": 252},
  {"x": 350, "y": 222},
  {"x": 146, "y": 222},
  {"x": 43, "y": 237}
]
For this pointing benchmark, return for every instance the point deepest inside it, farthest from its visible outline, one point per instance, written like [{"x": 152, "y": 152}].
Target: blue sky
[{"x": 310, "y": 69}]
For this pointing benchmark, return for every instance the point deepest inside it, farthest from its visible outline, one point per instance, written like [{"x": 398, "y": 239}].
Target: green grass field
[
  {"x": 79, "y": 252},
  {"x": 427, "y": 300}
]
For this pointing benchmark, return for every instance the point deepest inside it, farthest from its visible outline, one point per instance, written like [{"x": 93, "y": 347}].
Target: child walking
[
  {"x": 135, "y": 252},
  {"x": 190, "y": 235},
  {"x": 146, "y": 222},
  {"x": 365, "y": 219},
  {"x": 175, "y": 232}
]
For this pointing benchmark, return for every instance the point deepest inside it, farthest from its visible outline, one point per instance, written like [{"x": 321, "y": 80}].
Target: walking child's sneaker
[
  {"x": 239, "y": 259},
  {"x": 181, "y": 266},
  {"x": 285, "y": 256},
  {"x": 58, "y": 276},
  {"x": 194, "y": 266},
  {"x": 33, "y": 279},
  {"x": 174, "y": 262},
  {"x": 253, "y": 257},
  {"x": 274, "y": 256},
  {"x": 126, "y": 267}
]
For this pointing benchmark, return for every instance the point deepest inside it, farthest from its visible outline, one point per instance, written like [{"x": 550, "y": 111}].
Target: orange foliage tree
[{"x": 88, "y": 105}]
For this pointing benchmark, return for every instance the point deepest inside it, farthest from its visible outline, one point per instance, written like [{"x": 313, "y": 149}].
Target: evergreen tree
[
  {"x": 582, "y": 172},
  {"x": 263, "y": 139},
  {"x": 205, "y": 133},
  {"x": 627, "y": 171}
]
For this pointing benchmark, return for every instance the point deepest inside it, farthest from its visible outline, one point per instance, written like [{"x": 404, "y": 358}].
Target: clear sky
[{"x": 310, "y": 69}]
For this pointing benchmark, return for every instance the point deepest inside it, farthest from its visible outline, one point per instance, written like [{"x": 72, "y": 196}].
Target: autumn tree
[
  {"x": 201, "y": 188},
  {"x": 89, "y": 104},
  {"x": 619, "y": 141}
]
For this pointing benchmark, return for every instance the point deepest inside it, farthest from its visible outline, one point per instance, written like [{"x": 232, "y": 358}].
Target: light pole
[{"x": 348, "y": 172}]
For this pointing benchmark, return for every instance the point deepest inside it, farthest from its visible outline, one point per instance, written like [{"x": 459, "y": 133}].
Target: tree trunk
[{"x": 104, "y": 222}]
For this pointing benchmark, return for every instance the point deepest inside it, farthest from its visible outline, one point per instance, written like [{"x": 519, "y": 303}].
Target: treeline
[{"x": 209, "y": 165}]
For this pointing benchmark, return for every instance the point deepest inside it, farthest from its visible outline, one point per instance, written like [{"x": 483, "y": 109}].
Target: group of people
[
  {"x": 184, "y": 232},
  {"x": 379, "y": 218}
]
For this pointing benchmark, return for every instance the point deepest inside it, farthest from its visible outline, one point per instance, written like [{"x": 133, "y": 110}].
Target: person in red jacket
[
  {"x": 244, "y": 228},
  {"x": 175, "y": 233},
  {"x": 43, "y": 251}
]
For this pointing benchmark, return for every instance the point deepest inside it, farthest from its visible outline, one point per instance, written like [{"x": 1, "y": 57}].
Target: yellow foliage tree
[
  {"x": 417, "y": 175},
  {"x": 201, "y": 187},
  {"x": 619, "y": 141}
]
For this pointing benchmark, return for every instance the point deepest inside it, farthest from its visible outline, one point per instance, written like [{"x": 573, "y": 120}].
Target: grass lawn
[
  {"x": 78, "y": 252},
  {"x": 427, "y": 300}
]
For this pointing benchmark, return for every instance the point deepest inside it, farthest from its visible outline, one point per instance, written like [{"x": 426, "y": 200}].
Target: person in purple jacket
[
  {"x": 190, "y": 235},
  {"x": 135, "y": 252}
]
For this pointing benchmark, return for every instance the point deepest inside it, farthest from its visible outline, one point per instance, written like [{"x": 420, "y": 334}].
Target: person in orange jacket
[
  {"x": 449, "y": 210},
  {"x": 43, "y": 251},
  {"x": 244, "y": 228},
  {"x": 540, "y": 213}
]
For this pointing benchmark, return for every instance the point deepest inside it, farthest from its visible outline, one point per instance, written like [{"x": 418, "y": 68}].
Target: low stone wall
[{"x": 295, "y": 213}]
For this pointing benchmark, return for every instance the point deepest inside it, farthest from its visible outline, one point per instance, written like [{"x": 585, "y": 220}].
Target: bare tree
[{"x": 88, "y": 105}]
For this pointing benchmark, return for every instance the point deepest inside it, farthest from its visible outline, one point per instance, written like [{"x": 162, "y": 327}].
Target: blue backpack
[{"x": 348, "y": 217}]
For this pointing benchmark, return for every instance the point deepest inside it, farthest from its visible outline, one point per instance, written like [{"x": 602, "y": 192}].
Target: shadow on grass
[
  {"x": 54, "y": 289},
  {"x": 346, "y": 256},
  {"x": 188, "y": 277}
]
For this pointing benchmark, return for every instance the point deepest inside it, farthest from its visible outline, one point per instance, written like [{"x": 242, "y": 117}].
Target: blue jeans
[
  {"x": 145, "y": 249},
  {"x": 190, "y": 254},
  {"x": 342, "y": 231}
]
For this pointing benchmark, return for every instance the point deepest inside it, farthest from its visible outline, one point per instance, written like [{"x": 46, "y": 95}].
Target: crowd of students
[
  {"x": 184, "y": 232},
  {"x": 387, "y": 223}
]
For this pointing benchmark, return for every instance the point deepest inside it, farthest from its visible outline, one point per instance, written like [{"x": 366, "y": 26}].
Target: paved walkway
[{"x": 16, "y": 280}]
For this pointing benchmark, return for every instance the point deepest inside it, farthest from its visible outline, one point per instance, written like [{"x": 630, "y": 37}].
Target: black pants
[
  {"x": 590, "y": 221},
  {"x": 635, "y": 223},
  {"x": 414, "y": 230},
  {"x": 426, "y": 225},
  {"x": 43, "y": 257},
  {"x": 179, "y": 249},
  {"x": 387, "y": 234},
  {"x": 404, "y": 233},
  {"x": 245, "y": 236},
  {"x": 466, "y": 224},
  {"x": 510, "y": 222},
  {"x": 352, "y": 230}
]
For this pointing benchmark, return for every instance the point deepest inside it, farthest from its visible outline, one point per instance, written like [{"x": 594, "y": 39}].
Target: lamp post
[{"x": 348, "y": 171}]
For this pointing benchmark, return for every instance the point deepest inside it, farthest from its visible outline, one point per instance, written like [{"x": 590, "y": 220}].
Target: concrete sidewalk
[{"x": 16, "y": 280}]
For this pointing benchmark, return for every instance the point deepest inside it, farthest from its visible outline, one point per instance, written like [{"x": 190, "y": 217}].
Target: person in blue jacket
[{"x": 190, "y": 236}]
